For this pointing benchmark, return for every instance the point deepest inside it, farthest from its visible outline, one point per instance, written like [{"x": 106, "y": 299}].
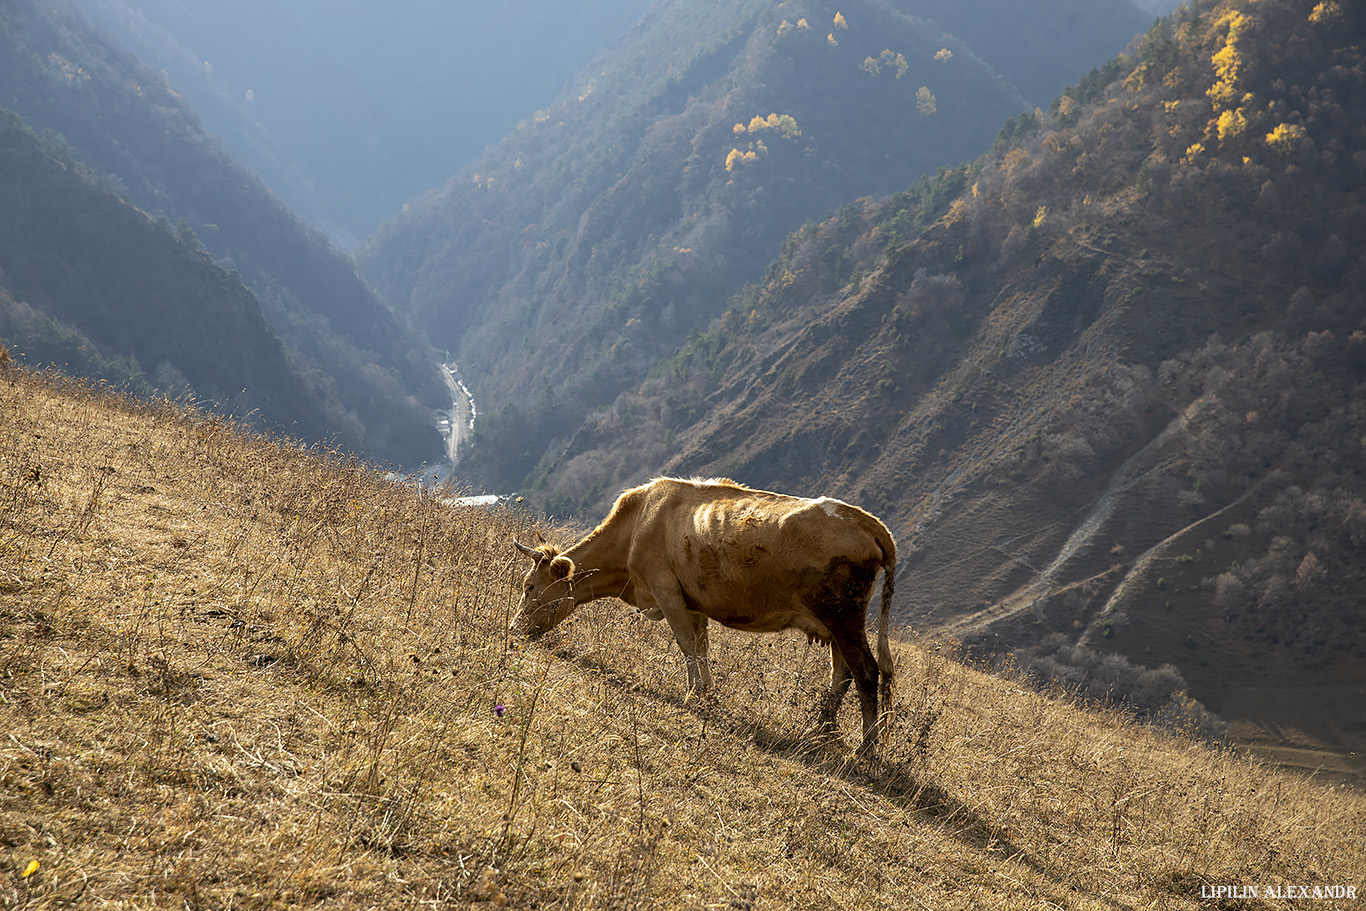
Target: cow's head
[{"x": 546, "y": 598}]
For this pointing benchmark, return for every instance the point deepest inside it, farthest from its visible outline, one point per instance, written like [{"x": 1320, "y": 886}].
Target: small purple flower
[{"x": 499, "y": 709}]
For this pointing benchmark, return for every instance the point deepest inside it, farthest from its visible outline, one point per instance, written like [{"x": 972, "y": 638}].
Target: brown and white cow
[{"x": 691, "y": 550}]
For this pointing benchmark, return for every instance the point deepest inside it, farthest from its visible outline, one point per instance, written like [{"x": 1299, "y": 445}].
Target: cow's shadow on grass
[{"x": 899, "y": 779}]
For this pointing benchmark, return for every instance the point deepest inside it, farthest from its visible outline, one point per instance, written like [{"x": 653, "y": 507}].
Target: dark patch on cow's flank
[{"x": 842, "y": 589}]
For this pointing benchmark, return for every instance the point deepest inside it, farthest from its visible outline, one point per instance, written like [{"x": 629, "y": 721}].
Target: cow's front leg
[
  {"x": 690, "y": 632},
  {"x": 643, "y": 601},
  {"x": 699, "y": 628}
]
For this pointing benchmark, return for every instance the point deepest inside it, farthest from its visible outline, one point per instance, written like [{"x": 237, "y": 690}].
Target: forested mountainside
[
  {"x": 1023, "y": 41},
  {"x": 348, "y": 108},
  {"x": 74, "y": 254},
  {"x": 1112, "y": 396},
  {"x": 125, "y": 122},
  {"x": 563, "y": 264}
]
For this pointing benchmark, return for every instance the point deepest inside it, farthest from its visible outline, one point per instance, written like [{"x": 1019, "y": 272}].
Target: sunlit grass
[{"x": 239, "y": 673}]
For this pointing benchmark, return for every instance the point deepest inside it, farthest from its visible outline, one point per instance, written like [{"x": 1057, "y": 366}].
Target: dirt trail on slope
[{"x": 1047, "y": 581}]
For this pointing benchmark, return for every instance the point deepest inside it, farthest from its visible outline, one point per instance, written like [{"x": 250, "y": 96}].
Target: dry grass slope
[{"x": 238, "y": 674}]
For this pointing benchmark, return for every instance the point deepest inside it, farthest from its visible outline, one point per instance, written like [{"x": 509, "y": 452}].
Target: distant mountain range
[
  {"x": 73, "y": 254},
  {"x": 348, "y": 108},
  {"x": 371, "y": 383},
  {"x": 561, "y": 266}
]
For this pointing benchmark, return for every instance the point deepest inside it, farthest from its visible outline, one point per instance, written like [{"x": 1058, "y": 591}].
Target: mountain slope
[
  {"x": 196, "y": 716},
  {"x": 561, "y": 266},
  {"x": 1021, "y": 40},
  {"x": 151, "y": 310},
  {"x": 126, "y": 122},
  {"x": 1111, "y": 394}
]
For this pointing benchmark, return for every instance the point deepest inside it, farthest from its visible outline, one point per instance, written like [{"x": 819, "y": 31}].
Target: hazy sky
[{"x": 410, "y": 91}]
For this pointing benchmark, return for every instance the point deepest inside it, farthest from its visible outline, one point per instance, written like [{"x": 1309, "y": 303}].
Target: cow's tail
[{"x": 886, "y": 671}]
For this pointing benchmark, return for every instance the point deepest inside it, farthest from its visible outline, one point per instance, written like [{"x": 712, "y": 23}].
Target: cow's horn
[{"x": 531, "y": 552}]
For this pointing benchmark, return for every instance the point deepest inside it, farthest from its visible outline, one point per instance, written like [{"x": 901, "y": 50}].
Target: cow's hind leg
[
  {"x": 853, "y": 646},
  {"x": 839, "y": 599}
]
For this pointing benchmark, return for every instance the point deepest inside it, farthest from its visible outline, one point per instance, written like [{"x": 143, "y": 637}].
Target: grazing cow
[{"x": 690, "y": 551}]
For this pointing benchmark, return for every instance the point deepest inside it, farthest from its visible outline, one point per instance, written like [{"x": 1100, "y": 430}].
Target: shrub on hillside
[{"x": 1156, "y": 695}]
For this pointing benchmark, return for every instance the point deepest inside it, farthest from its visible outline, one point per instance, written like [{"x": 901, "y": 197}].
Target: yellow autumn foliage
[
  {"x": 958, "y": 210},
  {"x": 1328, "y": 11},
  {"x": 783, "y": 124},
  {"x": 1228, "y": 60},
  {"x": 1286, "y": 138},
  {"x": 925, "y": 101},
  {"x": 1231, "y": 124}
]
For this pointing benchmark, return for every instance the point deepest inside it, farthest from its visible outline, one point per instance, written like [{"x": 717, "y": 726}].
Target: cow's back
[{"x": 754, "y": 559}]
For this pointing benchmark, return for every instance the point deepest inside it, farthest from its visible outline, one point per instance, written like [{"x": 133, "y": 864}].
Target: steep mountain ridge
[
  {"x": 1112, "y": 393},
  {"x": 126, "y": 122},
  {"x": 1020, "y": 39},
  {"x": 636, "y": 204},
  {"x": 73, "y": 254}
]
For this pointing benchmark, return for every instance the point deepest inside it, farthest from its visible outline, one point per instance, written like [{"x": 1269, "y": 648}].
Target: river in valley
[{"x": 456, "y": 424}]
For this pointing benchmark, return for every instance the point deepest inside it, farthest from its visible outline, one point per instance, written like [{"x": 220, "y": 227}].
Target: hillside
[
  {"x": 1038, "y": 47},
  {"x": 126, "y": 123},
  {"x": 73, "y": 253},
  {"x": 561, "y": 266},
  {"x": 1104, "y": 384},
  {"x": 240, "y": 674}
]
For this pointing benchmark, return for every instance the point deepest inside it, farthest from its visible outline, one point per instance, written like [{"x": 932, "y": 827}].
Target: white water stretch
[{"x": 456, "y": 423}]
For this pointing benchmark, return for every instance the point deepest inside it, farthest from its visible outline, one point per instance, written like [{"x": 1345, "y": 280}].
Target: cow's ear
[{"x": 561, "y": 567}]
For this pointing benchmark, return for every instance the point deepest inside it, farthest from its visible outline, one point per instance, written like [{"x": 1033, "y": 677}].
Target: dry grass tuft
[{"x": 236, "y": 673}]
